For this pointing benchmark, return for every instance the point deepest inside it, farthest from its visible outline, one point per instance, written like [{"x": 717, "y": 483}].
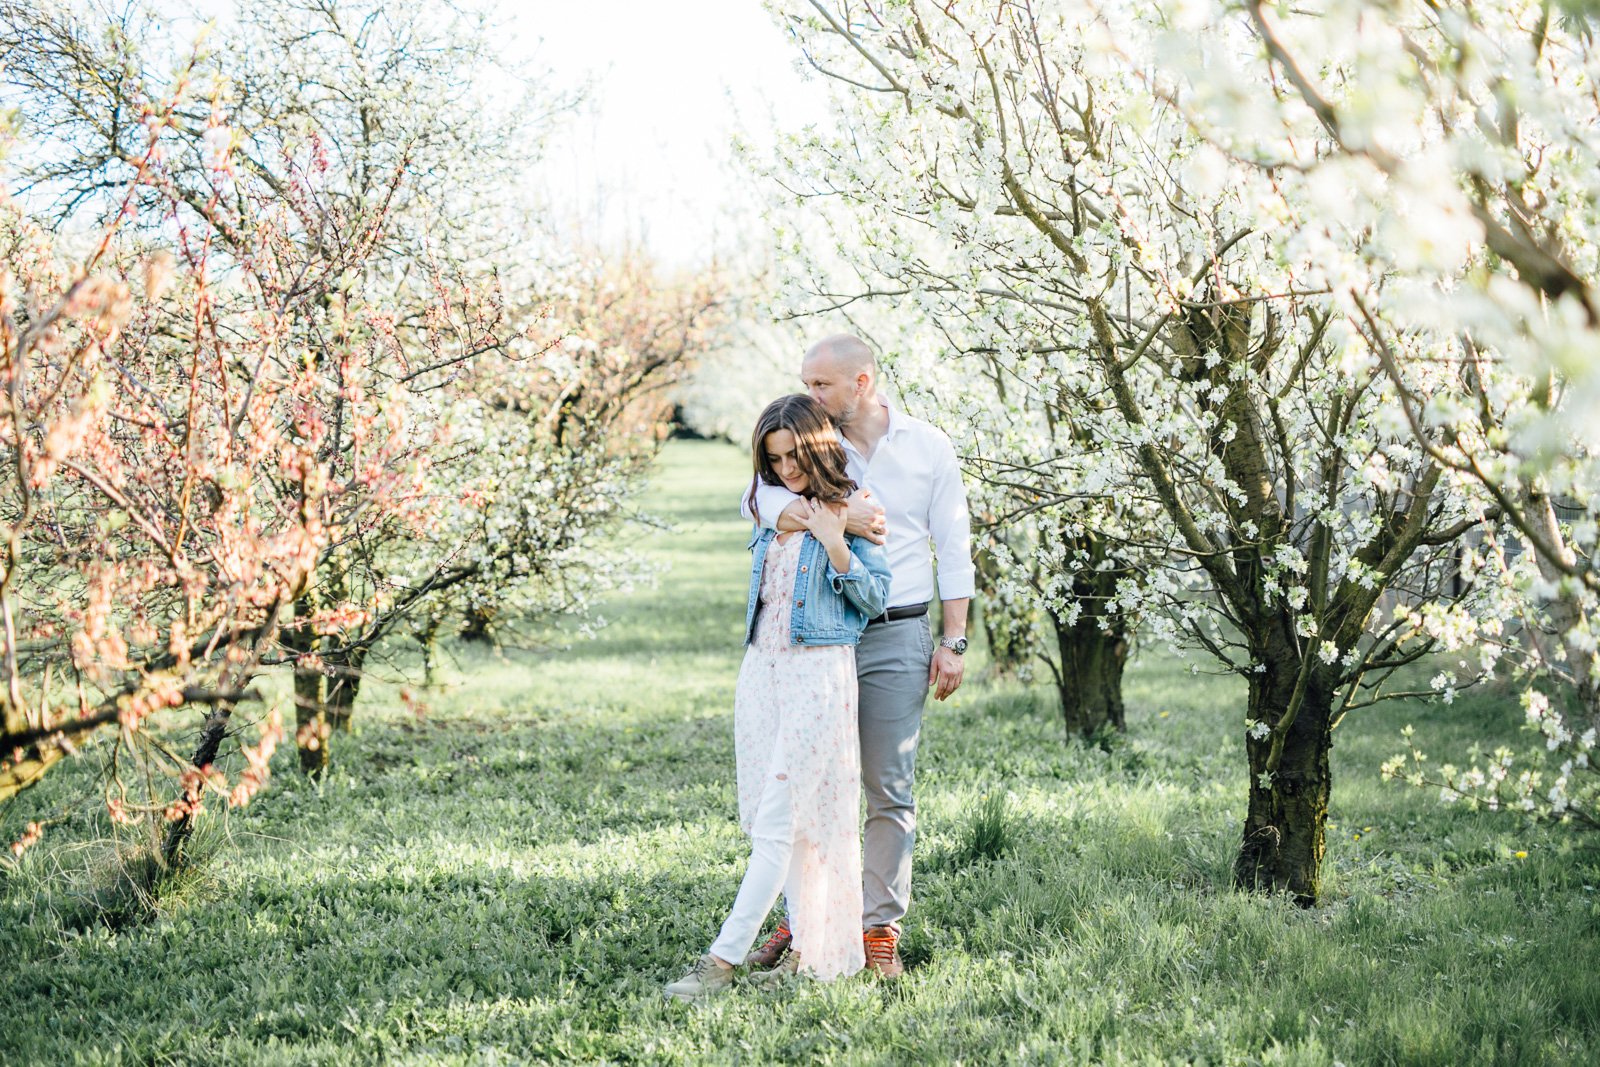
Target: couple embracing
[{"x": 848, "y": 498}]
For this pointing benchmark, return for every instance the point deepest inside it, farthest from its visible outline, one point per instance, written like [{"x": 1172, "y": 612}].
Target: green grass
[{"x": 512, "y": 877}]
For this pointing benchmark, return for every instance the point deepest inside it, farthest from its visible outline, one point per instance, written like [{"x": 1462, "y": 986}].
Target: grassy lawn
[{"x": 512, "y": 876}]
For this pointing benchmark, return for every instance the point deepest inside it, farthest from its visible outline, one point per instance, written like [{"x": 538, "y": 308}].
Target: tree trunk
[
  {"x": 343, "y": 686},
  {"x": 311, "y": 729},
  {"x": 205, "y": 754},
  {"x": 479, "y": 625},
  {"x": 324, "y": 700},
  {"x": 1005, "y": 635},
  {"x": 1565, "y": 610},
  {"x": 12, "y": 719},
  {"x": 1004, "y": 630},
  {"x": 1093, "y": 648},
  {"x": 325, "y": 695},
  {"x": 1090, "y": 678},
  {"x": 1286, "y": 821},
  {"x": 427, "y": 635},
  {"x": 1589, "y": 701}
]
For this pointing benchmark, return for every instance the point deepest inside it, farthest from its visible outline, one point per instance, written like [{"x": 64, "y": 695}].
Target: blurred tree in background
[{"x": 315, "y": 378}]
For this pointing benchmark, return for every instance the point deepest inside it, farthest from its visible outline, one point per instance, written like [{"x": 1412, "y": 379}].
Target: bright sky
[{"x": 649, "y": 157}]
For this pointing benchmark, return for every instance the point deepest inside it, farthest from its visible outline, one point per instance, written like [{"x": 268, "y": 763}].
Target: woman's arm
[
  {"x": 857, "y": 568},
  {"x": 865, "y": 583},
  {"x": 826, "y": 524},
  {"x": 781, "y": 510}
]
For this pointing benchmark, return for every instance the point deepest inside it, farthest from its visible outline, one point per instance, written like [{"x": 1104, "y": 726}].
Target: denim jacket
[{"x": 829, "y": 608}]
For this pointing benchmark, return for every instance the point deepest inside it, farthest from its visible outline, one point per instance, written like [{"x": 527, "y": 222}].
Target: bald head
[
  {"x": 847, "y": 353},
  {"x": 840, "y": 373}
]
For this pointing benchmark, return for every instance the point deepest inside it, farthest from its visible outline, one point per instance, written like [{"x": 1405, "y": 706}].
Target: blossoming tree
[
  {"x": 281, "y": 456},
  {"x": 148, "y": 549},
  {"x": 1013, "y": 176},
  {"x": 1445, "y": 163}
]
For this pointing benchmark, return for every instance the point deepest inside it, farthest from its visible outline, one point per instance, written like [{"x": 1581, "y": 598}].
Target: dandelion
[{"x": 1521, "y": 855}]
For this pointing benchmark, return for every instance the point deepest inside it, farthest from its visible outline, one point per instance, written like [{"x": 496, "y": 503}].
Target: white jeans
[{"x": 771, "y": 848}]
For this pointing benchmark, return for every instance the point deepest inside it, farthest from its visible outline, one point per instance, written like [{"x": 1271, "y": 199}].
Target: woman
[{"x": 794, "y": 711}]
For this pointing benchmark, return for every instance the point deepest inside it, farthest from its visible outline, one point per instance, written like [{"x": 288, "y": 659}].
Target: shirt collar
[{"x": 897, "y": 421}]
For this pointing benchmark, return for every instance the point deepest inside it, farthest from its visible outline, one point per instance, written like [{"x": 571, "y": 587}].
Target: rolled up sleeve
[{"x": 771, "y": 499}]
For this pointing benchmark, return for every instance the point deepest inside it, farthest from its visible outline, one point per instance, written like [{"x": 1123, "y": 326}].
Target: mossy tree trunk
[
  {"x": 1291, "y": 779},
  {"x": 1092, "y": 663},
  {"x": 1093, "y": 651},
  {"x": 1091, "y": 639}
]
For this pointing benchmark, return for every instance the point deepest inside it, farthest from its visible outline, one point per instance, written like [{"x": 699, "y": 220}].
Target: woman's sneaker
[
  {"x": 779, "y": 974},
  {"x": 767, "y": 956},
  {"x": 706, "y": 977}
]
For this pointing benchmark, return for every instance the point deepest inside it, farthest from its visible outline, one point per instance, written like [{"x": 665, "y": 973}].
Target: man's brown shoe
[
  {"x": 883, "y": 955},
  {"x": 772, "y": 951}
]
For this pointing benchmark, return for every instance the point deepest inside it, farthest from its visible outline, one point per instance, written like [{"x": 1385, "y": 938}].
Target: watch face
[{"x": 958, "y": 646}]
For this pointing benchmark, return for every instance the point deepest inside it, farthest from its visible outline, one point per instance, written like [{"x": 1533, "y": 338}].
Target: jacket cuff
[{"x": 856, "y": 573}]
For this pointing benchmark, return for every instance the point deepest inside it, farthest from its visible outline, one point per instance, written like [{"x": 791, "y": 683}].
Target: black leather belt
[{"x": 910, "y": 611}]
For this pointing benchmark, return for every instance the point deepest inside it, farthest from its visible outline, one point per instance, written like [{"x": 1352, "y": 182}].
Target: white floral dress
[{"x": 794, "y": 714}]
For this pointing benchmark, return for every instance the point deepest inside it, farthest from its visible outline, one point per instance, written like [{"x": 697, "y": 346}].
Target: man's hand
[
  {"x": 866, "y": 517},
  {"x": 944, "y": 674}
]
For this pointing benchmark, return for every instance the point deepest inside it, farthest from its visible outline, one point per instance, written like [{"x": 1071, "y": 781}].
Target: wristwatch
[{"x": 958, "y": 645}]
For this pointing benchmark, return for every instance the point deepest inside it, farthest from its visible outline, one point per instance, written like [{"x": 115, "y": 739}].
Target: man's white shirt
[{"x": 915, "y": 477}]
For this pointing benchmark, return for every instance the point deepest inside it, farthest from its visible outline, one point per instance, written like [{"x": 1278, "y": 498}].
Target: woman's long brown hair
[{"x": 817, "y": 449}]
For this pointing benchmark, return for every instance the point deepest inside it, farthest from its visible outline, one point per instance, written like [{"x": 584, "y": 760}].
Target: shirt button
[
  {"x": 802, "y": 570},
  {"x": 799, "y": 603}
]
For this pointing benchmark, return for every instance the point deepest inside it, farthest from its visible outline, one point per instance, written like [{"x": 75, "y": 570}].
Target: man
[{"x": 911, "y": 483}]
